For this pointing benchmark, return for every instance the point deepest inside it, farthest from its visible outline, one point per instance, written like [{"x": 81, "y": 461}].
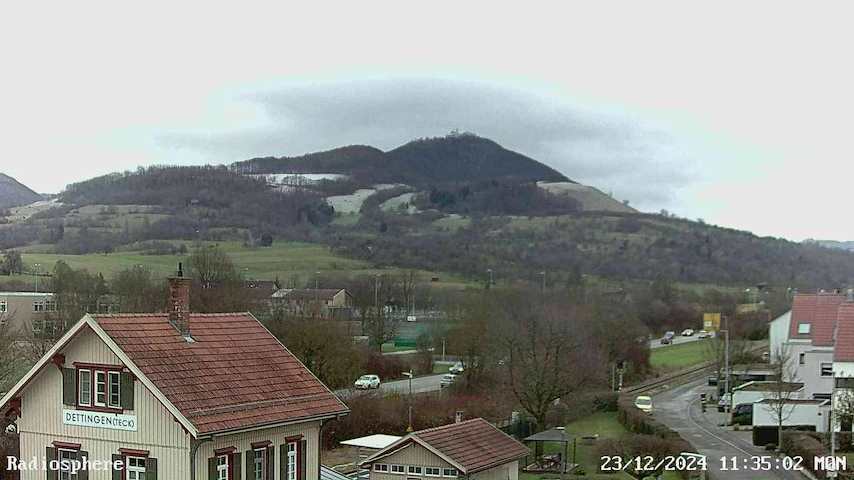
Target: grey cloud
[{"x": 610, "y": 151}]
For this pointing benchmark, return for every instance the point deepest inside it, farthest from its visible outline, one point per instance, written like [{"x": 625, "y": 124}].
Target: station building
[{"x": 172, "y": 396}]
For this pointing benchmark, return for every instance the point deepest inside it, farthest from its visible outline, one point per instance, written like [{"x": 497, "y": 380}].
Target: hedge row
[
  {"x": 641, "y": 423},
  {"x": 637, "y": 421}
]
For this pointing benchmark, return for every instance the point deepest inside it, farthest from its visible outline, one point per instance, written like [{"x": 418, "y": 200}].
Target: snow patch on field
[
  {"x": 298, "y": 178},
  {"x": 591, "y": 199},
  {"x": 401, "y": 201},
  {"x": 353, "y": 203}
]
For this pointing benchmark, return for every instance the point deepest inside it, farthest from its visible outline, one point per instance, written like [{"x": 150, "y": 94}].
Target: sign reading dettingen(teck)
[{"x": 112, "y": 421}]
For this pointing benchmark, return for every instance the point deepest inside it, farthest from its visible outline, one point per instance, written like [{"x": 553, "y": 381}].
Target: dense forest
[
  {"x": 458, "y": 157},
  {"x": 14, "y": 193},
  {"x": 616, "y": 246}
]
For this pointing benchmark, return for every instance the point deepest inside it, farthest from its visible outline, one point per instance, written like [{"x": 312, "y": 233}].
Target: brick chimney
[{"x": 179, "y": 303}]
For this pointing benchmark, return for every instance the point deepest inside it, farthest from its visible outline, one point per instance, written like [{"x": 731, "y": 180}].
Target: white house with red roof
[
  {"x": 172, "y": 396},
  {"x": 810, "y": 344}
]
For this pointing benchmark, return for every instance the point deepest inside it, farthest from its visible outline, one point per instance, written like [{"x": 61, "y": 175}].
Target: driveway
[{"x": 679, "y": 409}]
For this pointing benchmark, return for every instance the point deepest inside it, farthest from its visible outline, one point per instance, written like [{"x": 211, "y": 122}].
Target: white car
[
  {"x": 457, "y": 369},
  {"x": 703, "y": 334},
  {"x": 688, "y": 332},
  {"x": 644, "y": 403},
  {"x": 366, "y": 382},
  {"x": 447, "y": 380}
]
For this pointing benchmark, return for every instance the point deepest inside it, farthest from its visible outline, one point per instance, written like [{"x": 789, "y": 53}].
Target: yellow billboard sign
[{"x": 711, "y": 322}]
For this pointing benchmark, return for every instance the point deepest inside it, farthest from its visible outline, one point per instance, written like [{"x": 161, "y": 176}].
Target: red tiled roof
[
  {"x": 844, "y": 349},
  {"x": 474, "y": 444},
  {"x": 235, "y": 375},
  {"x": 819, "y": 310}
]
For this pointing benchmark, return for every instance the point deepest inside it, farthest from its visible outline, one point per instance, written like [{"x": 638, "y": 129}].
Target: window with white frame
[
  {"x": 115, "y": 385},
  {"x": 3, "y": 306},
  {"x": 50, "y": 305},
  {"x": 398, "y": 469},
  {"x": 260, "y": 464},
  {"x": 449, "y": 472},
  {"x": 222, "y": 467},
  {"x": 802, "y": 358},
  {"x": 414, "y": 470},
  {"x": 380, "y": 467},
  {"x": 135, "y": 468},
  {"x": 827, "y": 369},
  {"x": 803, "y": 329},
  {"x": 292, "y": 461},
  {"x": 433, "y": 471},
  {"x": 84, "y": 389},
  {"x": 66, "y": 457},
  {"x": 100, "y": 388},
  {"x": 38, "y": 306}
]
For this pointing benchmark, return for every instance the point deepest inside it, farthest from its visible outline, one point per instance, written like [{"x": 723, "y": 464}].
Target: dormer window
[
  {"x": 98, "y": 387},
  {"x": 803, "y": 329},
  {"x": 84, "y": 389}
]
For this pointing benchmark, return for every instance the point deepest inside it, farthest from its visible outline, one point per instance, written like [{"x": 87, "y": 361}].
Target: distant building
[
  {"x": 331, "y": 303},
  {"x": 473, "y": 449},
  {"x": 22, "y": 313}
]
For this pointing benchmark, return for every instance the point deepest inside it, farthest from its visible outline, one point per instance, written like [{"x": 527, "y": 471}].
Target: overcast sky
[{"x": 739, "y": 113}]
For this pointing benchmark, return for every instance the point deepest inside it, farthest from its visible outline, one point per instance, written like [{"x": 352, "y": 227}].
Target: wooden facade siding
[
  {"x": 508, "y": 471},
  {"x": 310, "y": 431}
]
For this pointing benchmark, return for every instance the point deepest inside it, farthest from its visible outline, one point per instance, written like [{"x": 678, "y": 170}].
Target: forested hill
[
  {"x": 13, "y": 193},
  {"x": 453, "y": 158}
]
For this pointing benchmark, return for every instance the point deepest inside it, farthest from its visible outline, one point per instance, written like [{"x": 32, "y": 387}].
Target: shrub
[{"x": 803, "y": 445}]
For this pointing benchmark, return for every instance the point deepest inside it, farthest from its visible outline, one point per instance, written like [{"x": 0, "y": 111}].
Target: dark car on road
[{"x": 742, "y": 414}]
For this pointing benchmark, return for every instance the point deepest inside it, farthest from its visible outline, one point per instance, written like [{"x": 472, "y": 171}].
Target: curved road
[
  {"x": 427, "y": 383},
  {"x": 679, "y": 409}
]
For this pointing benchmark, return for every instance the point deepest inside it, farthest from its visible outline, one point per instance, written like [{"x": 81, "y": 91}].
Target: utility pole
[
  {"x": 727, "y": 405},
  {"x": 37, "y": 267},
  {"x": 543, "y": 273},
  {"x": 491, "y": 281}
]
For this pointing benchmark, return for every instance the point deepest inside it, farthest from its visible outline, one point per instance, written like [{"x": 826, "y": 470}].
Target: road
[
  {"x": 679, "y": 409},
  {"x": 427, "y": 383},
  {"x": 656, "y": 343}
]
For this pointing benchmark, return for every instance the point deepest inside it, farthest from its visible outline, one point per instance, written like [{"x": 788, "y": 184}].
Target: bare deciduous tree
[
  {"x": 781, "y": 389},
  {"x": 549, "y": 353}
]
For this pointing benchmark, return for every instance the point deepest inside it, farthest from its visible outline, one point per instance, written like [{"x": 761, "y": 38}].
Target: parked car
[
  {"x": 703, "y": 334},
  {"x": 366, "y": 382},
  {"x": 724, "y": 402},
  {"x": 688, "y": 332},
  {"x": 447, "y": 380},
  {"x": 457, "y": 368},
  {"x": 712, "y": 380},
  {"x": 742, "y": 414},
  {"x": 667, "y": 338},
  {"x": 644, "y": 403}
]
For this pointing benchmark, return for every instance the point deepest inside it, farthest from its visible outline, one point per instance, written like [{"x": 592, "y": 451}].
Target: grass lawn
[
  {"x": 675, "y": 357},
  {"x": 296, "y": 261},
  {"x": 603, "y": 423}
]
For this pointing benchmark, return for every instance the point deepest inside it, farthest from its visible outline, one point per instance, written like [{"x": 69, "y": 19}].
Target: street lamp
[
  {"x": 409, "y": 375},
  {"x": 491, "y": 281},
  {"x": 36, "y": 268}
]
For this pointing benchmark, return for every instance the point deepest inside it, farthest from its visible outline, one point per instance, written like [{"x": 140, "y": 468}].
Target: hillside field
[{"x": 286, "y": 260}]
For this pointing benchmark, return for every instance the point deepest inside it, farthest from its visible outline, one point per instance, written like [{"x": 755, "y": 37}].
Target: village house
[
  {"x": 172, "y": 396},
  {"x": 330, "y": 303},
  {"x": 22, "y": 313},
  {"x": 472, "y": 449}
]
